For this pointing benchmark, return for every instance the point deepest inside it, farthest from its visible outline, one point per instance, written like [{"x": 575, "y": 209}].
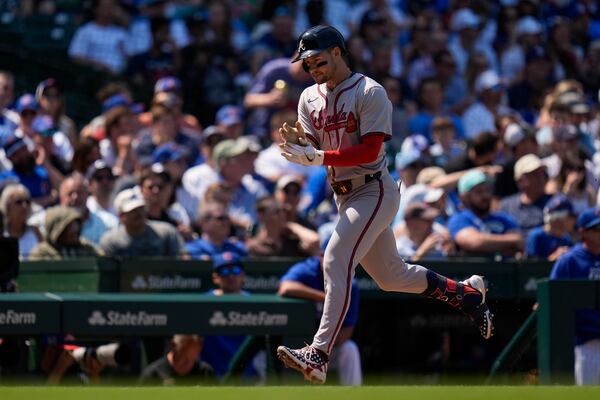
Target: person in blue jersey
[
  {"x": 583, "y": 262},
  {"x": 228, "y": 277},
  {"x": 216, "y": 229},
  {"x": 476, "y": 230},
  {"x": 552, "y": 239},
  {"x": 305, "y": 280}
]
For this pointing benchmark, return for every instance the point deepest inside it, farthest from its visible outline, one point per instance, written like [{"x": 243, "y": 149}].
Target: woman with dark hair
[
  {"x": 572, "y": 181},
  {"x": 87, "y": 150},
  {"x": 50, "y": 98}
]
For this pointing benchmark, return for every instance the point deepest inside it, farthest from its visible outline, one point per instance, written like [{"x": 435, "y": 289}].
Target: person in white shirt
[
  {"x": 101, "y": 43},
  {"x": 101, "y": 182},
  {"x": 481, "y": 115},
  {"x": 269, "y": 163}
]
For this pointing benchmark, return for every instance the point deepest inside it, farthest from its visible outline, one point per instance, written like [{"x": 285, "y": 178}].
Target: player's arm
[
  {"x": 471, "y": 239},
  {"x": 289, "y": 288},
  {"x": 363, "y": 153}
]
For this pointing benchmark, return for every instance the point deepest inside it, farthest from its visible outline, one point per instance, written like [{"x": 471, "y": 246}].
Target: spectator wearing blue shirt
[
  {"x": 552, "y": 239},
  {"x": 216, "y": 228},
  {"x": 36, "y": 178},
  {"x": 476, "y": 230},
  {"x": 228, "y": 276},
  {"x": 583, "y": 262},
  {"x": 527, "y": 205},
  {"x": 431, "y": 99},
  {"x": 305, "y": 280}
]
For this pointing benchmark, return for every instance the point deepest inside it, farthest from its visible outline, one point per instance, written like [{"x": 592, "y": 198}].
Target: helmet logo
[{"x": 301, "y": 46}]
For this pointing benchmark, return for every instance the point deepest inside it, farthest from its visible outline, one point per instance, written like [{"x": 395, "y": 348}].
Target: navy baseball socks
[
  {"x": 310, "y": 361},
  {"x": 468, "y": 296}
]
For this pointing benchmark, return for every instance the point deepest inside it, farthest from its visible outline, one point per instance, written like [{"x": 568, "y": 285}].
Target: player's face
[{"x": 321, "y": 67}]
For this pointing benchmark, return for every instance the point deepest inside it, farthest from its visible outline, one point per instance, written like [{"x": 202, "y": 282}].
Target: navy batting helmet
[{"x": 317, "y": 39}]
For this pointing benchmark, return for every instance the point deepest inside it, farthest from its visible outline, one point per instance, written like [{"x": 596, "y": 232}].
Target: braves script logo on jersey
[{"x": 340, "y": 120}]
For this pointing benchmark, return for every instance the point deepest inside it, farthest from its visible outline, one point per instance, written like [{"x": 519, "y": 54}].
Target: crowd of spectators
[{"x": 496, "y": 130}]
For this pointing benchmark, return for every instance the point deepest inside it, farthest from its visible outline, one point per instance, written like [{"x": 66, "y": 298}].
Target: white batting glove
[{"x": 303, "y": 155}]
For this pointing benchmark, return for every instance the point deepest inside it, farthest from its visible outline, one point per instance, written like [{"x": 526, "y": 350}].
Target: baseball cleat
[
  {"x": 307, "y": 360},
  {"x": 480, "y": 314}
]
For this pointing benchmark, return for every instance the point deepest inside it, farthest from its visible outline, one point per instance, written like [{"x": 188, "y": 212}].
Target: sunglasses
[
  {"x": 103, "y": 177},
  {"x": 220, "y": 218},
  {"x": 233, "y": 270},
  {"x": 21, "y": 202}
]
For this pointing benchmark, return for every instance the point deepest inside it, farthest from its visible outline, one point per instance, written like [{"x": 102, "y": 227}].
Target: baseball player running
[{"x": 344, "y": 118}]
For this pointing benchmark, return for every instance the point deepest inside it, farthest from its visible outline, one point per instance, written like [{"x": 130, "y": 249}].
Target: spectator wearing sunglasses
[
  {"x": 101, "y": 182},
  {"x": 228, "y": 277},
  {"x": 216, "y": 229},
  {"x": 15, "y": 208},
  {"x": 288, "y": 192}
]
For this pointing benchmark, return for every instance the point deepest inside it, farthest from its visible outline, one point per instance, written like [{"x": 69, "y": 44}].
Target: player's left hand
[{"x": 303, "y": 155}]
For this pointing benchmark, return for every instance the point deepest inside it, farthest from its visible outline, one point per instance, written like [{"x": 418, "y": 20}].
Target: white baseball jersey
[{"x": 340, "y": 118}]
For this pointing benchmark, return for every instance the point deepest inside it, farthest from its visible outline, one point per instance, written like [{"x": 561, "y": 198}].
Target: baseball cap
[
  {"x": 470, "y": 180},
  {"x": 429, "y": 174},
  {"x": 26, "y": 102},
  {"x": 536, "y": 53},
  {"x": 225, "y": 259},
  {"x": 285, "y": 180},
  {"x": 414, "y": 142},
  {"x": 487, "y": 80},
  {"x": 229, "y": 115},
  {"x": 565, "y": 132},
  {"x": 13, "y": 145},
  {"x": 43, "y": 125},
  {"x": 514, "y": 134},
  {"x": 406, "y": 158},
  {"x": 97, "y": 166},
  {"x": 559, "y": 204},
  {"x": 229, "y": 148},
  {"x": 210, "y": 131},
  {"x": 526, "y": 164},
  {"x": 117, "y": 100},
  {"x": 589, "y": 218},
  {"x": 464, "y": 18},
  {"x": 528, "y": 26},
  {"x": 432, "y": 195},
  {"x": 168, "y": 152},
  {"x": 167, "y": 84},
  {"x": 421, "y": 211},
  {"x": 45, "y": 85},
  {"x": 128, "y": 200}
]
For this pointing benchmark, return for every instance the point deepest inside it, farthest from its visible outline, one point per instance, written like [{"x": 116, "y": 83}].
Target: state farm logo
[
  {"x": 12, "y": 317},
  {"x": 116, "y": 318},
  {"x": 157, "y": 282},
  {"x": 236, "y": 318}
]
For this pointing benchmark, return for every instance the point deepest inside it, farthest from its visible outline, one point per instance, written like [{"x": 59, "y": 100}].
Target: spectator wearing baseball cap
[
  {"x": 27, "y": 107},
  {"x": 581, "y": 262},
  {"x": 55, "y": 143},
  {"x": 229, "y": 119},
  {"x": 168, "y": 92},
  {"x": 478, "y": 231},
  {"x": 420, "y": 236},
  {"x": 467, "y": 24},
  {"x": 518, "y": 140},
  {"x": 49, "y": 96},
  {"x": 288, "y": 193},
  {"x": 481, "y": 115},
  {"x": 215, "y": 225},
  {"x": 101, "y": 182},
  {"x": 229, "y": 277},
  {"x": 136, "y": 236},
  {"x": 527, "y": 205},
  {"x": 408, "y": 164},
  {"x": 552, "y": 239}
]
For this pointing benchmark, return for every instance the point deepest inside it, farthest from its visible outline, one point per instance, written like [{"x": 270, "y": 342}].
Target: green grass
[{"x": 303, "y": 393}]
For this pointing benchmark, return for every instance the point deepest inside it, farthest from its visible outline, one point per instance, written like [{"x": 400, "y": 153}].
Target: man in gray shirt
[{"x": 136, "y": 236}]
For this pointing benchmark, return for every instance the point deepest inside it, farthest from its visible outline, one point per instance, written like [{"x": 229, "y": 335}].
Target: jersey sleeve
[
  {"x": 304, "y": 118},
  {"x": 375, "y": 113}
]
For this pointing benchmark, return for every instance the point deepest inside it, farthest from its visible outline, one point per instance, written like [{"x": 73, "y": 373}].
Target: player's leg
[
  {"x": 345, "y": 359},
  {"x": 362, "y": 217},
  {"x": 388, "y": 269},
  {"x": 587, "y": 363}
]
